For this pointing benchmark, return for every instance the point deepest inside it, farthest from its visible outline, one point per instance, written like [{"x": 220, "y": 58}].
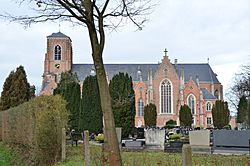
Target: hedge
[{"x": 34, "y": 128}]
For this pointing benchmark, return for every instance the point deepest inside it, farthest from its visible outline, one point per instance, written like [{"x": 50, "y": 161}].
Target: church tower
[{"x": 58, "y": 59}]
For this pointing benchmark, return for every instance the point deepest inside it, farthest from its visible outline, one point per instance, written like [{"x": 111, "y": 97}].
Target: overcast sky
[{"x": 191, "y": 30}]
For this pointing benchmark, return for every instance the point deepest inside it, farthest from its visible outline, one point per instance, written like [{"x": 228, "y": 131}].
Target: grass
[
  {"x": 75, "y": 158},
  {"x": 8, "y": 157}
]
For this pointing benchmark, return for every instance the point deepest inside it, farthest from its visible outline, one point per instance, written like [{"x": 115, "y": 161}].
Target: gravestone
[
  {"x": 200, "y": 141},
  {"x": 231, "y": 138},
  {"x": 155, "y": 139},
  {"x": 119, "y": 134}
]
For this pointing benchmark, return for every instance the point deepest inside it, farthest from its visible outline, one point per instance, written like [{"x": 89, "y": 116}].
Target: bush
[
  {"x": 227, "y": 127},
  {"x": 100, "y": 138},
  {"x": 174, "y": 137},
  {"x": 35, "y": 127}
]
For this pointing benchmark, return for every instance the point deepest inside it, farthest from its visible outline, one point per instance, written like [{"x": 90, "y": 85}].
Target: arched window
[
  {"x": 166, "y": 98},
  {"x": 209, "y": 106},
  {"x": 191, "y": 103},
  {"x": 57, "y": 52},
  {"x": 216, "y": 94},
  {"x": 140, "y": 107}
]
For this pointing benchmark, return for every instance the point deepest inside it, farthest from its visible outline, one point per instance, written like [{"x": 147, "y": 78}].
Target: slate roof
[
  {"x": 83, "y": 70},
  {"x": 59, "y": 35},
  {"x": 203, "y": 71},
  {"x": 207, "y": 95}
]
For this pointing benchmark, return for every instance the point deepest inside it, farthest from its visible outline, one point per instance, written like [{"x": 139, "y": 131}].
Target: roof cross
[{"x": 166, "y": 51}]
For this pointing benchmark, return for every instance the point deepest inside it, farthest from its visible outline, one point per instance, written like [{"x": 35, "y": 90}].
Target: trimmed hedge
[{"x": 34, "y": 128}]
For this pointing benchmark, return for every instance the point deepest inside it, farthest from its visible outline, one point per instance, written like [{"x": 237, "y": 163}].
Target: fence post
[
  {"x": 186, "y": 155},
  {"x": 63, "y": 144},
  {"x": 86, "y": 148}
]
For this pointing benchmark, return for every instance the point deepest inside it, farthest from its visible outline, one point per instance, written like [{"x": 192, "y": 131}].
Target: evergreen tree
[
  {"x": 185, "y": 115},
  {"x": 69, "y": 89},
  {"x": 242, "y": 110},
  {"x": 150, "y": 115},
  {"x": 16, "y": 89},
  {"x": 123, "y": 102},
  {"x": 91, "y": 112},
  {"x": 220, "y": 113}
]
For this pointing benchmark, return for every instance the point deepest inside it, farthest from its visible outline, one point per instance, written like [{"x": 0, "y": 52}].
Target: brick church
[{"x": 167, "y": 85}]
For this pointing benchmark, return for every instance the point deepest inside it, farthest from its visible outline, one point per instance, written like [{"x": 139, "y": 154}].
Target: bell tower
[{"x": 58, "y": 59}]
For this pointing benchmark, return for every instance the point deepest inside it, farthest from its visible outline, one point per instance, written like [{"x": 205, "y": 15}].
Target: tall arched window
[
  {"x": 57, "y": 52},
  {"x": 140, "y": 107},
  {"x": 191, "y": 103},
  {"x": 166, "y": 97},
  {"x": 209, "y": 106}
]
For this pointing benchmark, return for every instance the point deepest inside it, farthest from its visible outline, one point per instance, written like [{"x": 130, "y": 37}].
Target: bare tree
[
  {"x": 240, "y": 87},
  {"x": 95, "y": 15}
]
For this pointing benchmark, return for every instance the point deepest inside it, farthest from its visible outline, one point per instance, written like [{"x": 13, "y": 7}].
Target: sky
[{"x": 193, "y": 31}]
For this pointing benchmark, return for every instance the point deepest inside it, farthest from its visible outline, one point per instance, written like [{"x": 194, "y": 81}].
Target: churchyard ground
[{"x": 149, "y": 158}]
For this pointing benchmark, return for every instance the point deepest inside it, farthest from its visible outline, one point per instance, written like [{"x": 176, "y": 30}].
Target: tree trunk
[
  {"x": 111, "y": 145},
  {"x": 110, "y": 138}
]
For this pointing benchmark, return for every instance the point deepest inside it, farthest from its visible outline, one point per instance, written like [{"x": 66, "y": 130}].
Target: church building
[{"x": 167, "y": 85}]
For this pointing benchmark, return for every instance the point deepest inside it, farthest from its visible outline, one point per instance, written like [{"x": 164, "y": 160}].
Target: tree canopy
[
  {"x": 69, "y": 88},
  {"x": 242, "y": 111},
  {"x": 91, "y": 117},
  {"x": 150, "y": 115},
  {"x": 123, "y": 102},
  {"x": 185, "y": 115},
  {"x": 220, "y": 113},
  {"x": 16, "y": 89}
]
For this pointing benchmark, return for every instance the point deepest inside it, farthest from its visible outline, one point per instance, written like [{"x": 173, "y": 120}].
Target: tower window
[
  {"x": 57, "y": 52},
  {"x": 166, "y": 97}
]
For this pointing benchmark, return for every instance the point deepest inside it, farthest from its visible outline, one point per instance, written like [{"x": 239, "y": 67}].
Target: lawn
[
  {"x": 75, "y": 158},
  {"x": 8, "y": 158}
]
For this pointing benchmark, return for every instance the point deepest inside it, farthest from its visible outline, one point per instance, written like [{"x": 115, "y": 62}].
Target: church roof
[
  {"x": 83, "y": 70},
  {"x": 58, "y": 34},
  {"x": 203, "y": 71},
  {"x": 207, "y": 95}
]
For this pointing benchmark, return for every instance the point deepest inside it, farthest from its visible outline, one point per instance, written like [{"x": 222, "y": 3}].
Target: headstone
[
  {"x": 199, "y": 137},
  {"x": 200, "y": 141},
  {"x": 231, "y": 138},
  {"x": 119, "y": 134},
  {"x": 155, "y": 139}
]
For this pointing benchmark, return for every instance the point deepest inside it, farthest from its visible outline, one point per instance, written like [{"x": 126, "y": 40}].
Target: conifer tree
[
  {"x": 16, "y": 89},
  {"x": 220, "y": 113},
  {"x": 185, "y": 115},
  {"x": 69, "y": 89},
  {"x": 91, "y": 112},
  {"x": 242, "y": 110},
  {"x": 150, "y": 115},
  {"x": 123, "y": 102}
]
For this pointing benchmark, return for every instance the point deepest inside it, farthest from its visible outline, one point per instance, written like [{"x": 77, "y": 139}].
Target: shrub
[
  {"x": 174, "y": 137},
  {"x": 100, "y": 138},
  {"x": 35, "y": 127}
]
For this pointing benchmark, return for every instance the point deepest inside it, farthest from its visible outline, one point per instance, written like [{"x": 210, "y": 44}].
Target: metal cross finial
[
  {"x": 166, "y": 51},
  {"x": 208, "y": 60},
  {"x": 59, "y": 28}
]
